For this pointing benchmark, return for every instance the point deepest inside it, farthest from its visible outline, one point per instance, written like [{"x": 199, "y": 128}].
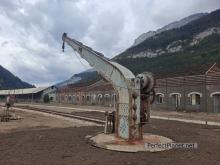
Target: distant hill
[
  {"x": 87, "y": 76},
  {"x": 196, "y": 43},
  {"x": 10, "y": 81}
]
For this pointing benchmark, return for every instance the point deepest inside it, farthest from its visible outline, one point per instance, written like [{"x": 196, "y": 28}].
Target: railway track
[{"x": 63, "y": 114}]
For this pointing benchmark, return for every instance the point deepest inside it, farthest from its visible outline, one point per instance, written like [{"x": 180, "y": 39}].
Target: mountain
[
  {"x": 180, "y": 46},
  {"x": 88, "y": 76},
  {"x": 173, "y": 25},
  {"x": 10, "y": 81},
  {"x": 196, "y": 43}
]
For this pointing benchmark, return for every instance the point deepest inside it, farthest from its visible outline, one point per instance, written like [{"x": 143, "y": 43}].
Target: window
[
  {"x": 70, "y": 98},
  {"x": 87, "y": 98},
  {"x": 175, "y": 99},
  {"x": 74, "y": 98},
  {"x": 195, "y": 99},
  {"x": 107, "y": 97},
  {"x": 159, "y": 98},
  {"x": 99, "y": 98}
]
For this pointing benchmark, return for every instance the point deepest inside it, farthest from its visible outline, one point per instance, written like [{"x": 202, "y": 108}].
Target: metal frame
[{"x": 128, "y": 124}]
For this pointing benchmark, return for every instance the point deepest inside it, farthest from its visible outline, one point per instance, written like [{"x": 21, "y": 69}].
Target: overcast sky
[{"x": 31, "y": 30}]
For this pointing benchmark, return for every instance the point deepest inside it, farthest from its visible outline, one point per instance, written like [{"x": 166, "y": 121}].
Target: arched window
[
  {"x": 93, "y": 98},
  {"x": 88, "y": 98},
  {"x": 195, "y": 98},
  {"x": 99, "y": 98},
  {"x": 107, "y": 97},
  {"x": 70, "y": 98},
  {"x": 216, "y": 101},
  {"x": 113, "y": 96},
  {"x": 214, "y": 93},
  {"x": 159, "y": 98},
  {"x": 74, "y": 98}
]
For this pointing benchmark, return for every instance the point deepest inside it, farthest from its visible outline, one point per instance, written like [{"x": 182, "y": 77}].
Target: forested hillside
[
  {"x": 196, "y": 43},
  {"x": 10, "y": 81}
]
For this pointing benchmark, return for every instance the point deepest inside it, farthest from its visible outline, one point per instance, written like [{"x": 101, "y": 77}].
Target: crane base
[{"x": 150, "y": 143}]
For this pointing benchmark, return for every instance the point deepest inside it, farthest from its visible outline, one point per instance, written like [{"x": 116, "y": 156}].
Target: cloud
[{"x": 31, "y": 30}]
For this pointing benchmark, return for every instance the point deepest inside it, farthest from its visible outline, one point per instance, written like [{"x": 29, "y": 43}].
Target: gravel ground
[
  {"x": 45, "y": 140},
  {"x": 96, "y": 115},
  {"x": 214, "y": 117}
]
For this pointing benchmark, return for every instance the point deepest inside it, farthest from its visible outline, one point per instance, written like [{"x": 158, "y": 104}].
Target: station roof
[
  {"x": 189, "y": 71},
  {"x": 22, "y": 91}
]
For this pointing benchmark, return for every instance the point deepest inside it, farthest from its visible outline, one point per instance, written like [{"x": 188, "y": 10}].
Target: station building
[
  {"x": 196, "y": 89},
  {"x": 91, "y": 93}
]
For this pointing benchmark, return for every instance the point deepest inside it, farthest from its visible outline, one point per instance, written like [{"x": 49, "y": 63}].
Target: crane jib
[{"x": 132, "y": 110}]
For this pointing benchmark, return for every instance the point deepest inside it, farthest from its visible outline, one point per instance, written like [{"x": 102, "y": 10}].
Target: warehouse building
[
  {"x": 92, "y": 93},
  {"x": 196, "y": 89}
]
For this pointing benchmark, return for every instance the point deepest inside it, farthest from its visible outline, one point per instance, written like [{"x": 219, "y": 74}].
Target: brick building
[
  {"x": 196, "y": 89},
  {"x": 91, "y": 93}
]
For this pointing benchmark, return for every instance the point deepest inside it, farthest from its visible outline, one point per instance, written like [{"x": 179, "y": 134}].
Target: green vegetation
[
  {"x": 87, "y": 77},
  {"x": 206, "y": 51},
  {"x": 184, "y": 33},
  {"x": 9, "y": 81}
]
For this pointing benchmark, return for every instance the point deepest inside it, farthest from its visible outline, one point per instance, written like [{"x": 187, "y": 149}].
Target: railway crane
[{"x": 134, "y": 93}]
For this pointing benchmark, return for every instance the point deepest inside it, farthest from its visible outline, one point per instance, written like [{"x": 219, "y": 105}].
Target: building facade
[
  {"x": 197, "y": 90},
  {"x": 99, "y": 93}
]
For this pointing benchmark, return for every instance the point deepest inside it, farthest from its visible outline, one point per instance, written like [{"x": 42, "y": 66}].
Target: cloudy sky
[{"x": 31, "y": 30}]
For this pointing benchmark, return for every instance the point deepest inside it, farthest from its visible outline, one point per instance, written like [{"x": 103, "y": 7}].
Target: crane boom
[{"x": 128, "y": 87}]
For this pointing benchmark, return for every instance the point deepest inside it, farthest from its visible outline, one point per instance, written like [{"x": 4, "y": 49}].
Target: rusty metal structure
[{"x": 134, "y": 93}]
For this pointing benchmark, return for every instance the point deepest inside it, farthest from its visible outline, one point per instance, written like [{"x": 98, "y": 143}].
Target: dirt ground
[
  {"x": 44, "y": 140},
  {"x": 37, "y": 121}
]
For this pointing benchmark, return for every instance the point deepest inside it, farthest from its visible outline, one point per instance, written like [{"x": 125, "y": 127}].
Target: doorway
[
  {"x": 175, "y": 100},
  {"x": 216, "y": 103}
]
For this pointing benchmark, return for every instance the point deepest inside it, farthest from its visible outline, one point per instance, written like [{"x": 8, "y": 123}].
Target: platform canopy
[{"x": 22, "y": 91}]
